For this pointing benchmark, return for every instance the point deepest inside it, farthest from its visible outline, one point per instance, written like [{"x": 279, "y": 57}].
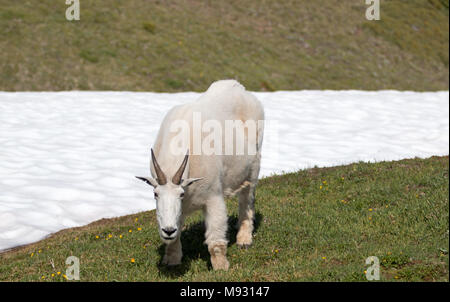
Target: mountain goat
[{"x": 201, "y": 179}]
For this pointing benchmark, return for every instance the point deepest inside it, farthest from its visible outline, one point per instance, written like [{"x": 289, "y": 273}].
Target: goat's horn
[
  {"x": 160, "y": 176},
  {"x": 176, "y": 179}
]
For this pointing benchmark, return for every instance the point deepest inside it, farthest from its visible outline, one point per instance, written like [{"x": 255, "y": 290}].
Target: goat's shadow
[{"x": 193, "y": 247}]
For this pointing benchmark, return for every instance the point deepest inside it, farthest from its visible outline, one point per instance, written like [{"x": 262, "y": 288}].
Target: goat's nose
[{"x": 169, "y": 231}]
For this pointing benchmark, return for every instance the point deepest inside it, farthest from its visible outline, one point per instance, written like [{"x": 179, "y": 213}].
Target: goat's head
[{"x": 169, "y": 195}]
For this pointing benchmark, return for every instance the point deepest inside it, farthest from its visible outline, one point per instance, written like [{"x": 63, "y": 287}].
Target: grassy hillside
[
  {"x": 314, "y": 225},
  {"x": 175, "y": 45}
]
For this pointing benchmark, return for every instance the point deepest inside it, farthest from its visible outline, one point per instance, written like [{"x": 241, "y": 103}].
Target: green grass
[
  {"x": 313, "y": 225},
  {"x": 408, "y": 29},
  {"x": 169, "y": 45}
]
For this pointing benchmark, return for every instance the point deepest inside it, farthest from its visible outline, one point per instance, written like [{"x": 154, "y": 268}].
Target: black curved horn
[{"x": 160, "y": 176}]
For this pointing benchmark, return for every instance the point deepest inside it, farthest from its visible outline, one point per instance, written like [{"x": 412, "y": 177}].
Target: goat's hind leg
[{"x": 246, "y": 216}]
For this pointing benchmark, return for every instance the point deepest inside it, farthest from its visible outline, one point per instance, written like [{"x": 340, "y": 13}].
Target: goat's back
[{"x": 224, "y": 100}]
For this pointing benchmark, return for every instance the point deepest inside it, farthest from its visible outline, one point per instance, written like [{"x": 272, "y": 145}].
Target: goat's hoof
[
  {"x": 172, "y": 264},
  {"x": 220, "y": 264},
  {"x": 170, "y": 261},
  {"x": 218, "y": 254},
  {"x": 244, "y": 238},
  {"x": 244, "y": 246}
]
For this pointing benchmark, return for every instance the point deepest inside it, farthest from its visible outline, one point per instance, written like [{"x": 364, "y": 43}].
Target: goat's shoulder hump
[{"x": 222, "y": 85}]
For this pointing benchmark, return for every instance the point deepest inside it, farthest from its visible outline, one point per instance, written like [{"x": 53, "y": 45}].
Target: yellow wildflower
[
  {"x": 139, "y": 229},
  {"x": 132, "y": 260}
]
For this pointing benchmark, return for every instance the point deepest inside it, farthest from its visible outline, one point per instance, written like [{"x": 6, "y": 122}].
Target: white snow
[{"x": 69, "y": 158}]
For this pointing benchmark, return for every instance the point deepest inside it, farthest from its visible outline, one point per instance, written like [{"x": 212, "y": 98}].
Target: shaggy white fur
[{"x": 207, "y": 179}]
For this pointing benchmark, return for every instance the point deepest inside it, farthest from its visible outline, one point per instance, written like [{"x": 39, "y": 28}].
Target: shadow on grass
[{"x": 193, "y": 248}]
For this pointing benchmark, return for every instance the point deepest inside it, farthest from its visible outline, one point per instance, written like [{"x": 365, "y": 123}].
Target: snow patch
[{"x": 69, "y": 158}]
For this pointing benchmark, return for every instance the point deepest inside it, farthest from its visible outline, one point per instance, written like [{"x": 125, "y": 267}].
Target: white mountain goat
[{"x": 200, "y": 180}]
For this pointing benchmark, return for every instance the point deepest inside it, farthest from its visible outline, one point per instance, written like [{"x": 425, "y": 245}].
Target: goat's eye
[
  {"x": 182, "y": 195},
  {"x": 156, "y": 195}
]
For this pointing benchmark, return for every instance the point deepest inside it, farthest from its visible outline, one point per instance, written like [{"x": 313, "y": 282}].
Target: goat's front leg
[
  {"x": 216, "y": 221},
  {"x": 174, "y": 251}
]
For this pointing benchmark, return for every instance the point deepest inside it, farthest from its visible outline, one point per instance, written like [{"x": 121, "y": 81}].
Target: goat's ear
[
  {"x": 189, "y": 181},
  {"x": 148, "y": 180}
]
